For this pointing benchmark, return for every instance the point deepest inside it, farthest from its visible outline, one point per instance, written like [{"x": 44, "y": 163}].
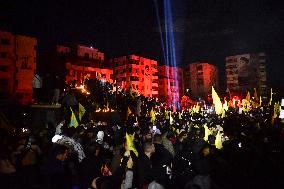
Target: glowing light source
[
  {"x": 83, "y": 89},
  {"x": 56, "y": 138}
]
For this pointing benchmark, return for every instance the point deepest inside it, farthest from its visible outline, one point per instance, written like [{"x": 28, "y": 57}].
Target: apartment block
[
  {"x": 137, "y": 72},
  {"x": 170, "y": 83},
  {"x": 199, "y": 78},
  {"x": 246, "y": 72},
  {"x": 17, "y": 65}
]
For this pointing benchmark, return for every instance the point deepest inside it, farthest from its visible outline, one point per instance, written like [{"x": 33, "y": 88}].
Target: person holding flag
[
  {"x": 82, "y": 111},
  {"x": 73, "y": 120}
]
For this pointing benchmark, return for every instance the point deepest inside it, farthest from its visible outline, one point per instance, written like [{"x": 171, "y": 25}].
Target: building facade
[
  {"x": 17, "y": 65},
  {"x": 74, "y": 64},
  {"x": 137, "y": 73},
  {"x": 199, "y": 78},
  {"x": 79, "y": 73},
  {"x": 170, "y": 83},
  {"x": 246, "y": 72},
  {"x": 86, "y": 62}
]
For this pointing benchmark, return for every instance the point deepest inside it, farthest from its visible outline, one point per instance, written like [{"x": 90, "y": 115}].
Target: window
[
  {"x": 3, "y": 55},
  {"x": 155, "y": 88},
  {"x": 16, "y": 83},
  {"x": 173, "y": 84},
  {"x": 86, "y": 55},
  {"x": 123, "y": 71},
  {"x": 155, "y": 81},
  {"x": 5, "y": 41},
  {"x": 199, "y": 68},
  {"x": 3, "y": 82},
  {"x": 3, "y": 68},
  {"x": 134, "y": 78},
  {"x": 129, "y": 70},
  {"x": 262, "y": 70},
  {"x": 20, "y": 95},
  {"x": 200, "y": 82},
  {"x": 25, "y": 63}
]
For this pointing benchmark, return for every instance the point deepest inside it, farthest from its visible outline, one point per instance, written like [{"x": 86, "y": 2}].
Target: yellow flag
[
  {"x": 218, "y": 141},
  {"x": 128, "y": 112},
  {"x": 248, "y": 96},
  {"x": 260, "y": 101},
  {"x": 245, "y": 105},
  {"x": 271, "y": 93},
  {"x": 114, "y": 89},
  {"x": 225, "y": 105},
  {"x": 73, "y": 120},
  {"x": 153, "y": 116},
  {"x": 167, "y": 114},
  {"x": 217, "y": 102},
  {"x": 178, "y": 131},
  {"x": 197, "y": 108},
  {"x": 223, "y": 113},
  {"x": 255, "y": 94},
  {"x": 179, "y": 115},
  {"x": 207, "y": 132},
  {"x": 171, "y": 119},
  {"x": 131, "y": 92},
  {"x": 276, "y": 111},
  {"x": 82, "y": 111},
  {"x": 234, "y": 102},
  {"x": 130, "y": 143}
]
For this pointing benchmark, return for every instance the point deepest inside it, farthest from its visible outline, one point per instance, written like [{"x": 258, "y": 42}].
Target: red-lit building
[
  {"x": 136, "y": 72},
  {"x": 88, "y": 62},
  {"x": 17, "y": 65},
  {"x": 74, "y": 64},
  {"x": 199, "y": 78},
  {"x": 170, "y": 83}
]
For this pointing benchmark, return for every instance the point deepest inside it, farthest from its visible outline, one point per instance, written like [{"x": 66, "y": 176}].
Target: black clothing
[
  {"x": 161, "y": 156},
  {"x": 162, "y": 160},
  {"x": 55, "y": 175},
  {"x": 90, "y": 168},
  {"x": 145, "y": 172}
]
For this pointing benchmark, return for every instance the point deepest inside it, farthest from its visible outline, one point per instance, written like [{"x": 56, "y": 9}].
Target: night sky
[{"x": 205, "y": 30}]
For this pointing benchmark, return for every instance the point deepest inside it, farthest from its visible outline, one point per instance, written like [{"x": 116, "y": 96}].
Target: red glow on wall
[
  {"x": 170, "y": 83},
  {"x": 138, "y": 73}
]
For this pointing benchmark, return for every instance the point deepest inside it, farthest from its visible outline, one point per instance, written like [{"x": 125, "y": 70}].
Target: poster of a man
[
  {"x": 147, "y": 70},
  {"x": 147, "y": 80},
  {"x": 243, "y": 71}
]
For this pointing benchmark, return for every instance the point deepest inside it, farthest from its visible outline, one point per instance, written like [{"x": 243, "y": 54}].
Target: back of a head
[
  {"x": 147, "y": 147},
  {"x": 58, "y": 149},
  {"x": 158, "y": 139}
]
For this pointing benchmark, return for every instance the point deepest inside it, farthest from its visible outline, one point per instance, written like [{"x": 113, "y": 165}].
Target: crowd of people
[{"x": 153, "y": 146}]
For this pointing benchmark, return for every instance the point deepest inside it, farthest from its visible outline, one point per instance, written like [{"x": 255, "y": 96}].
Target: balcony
[
  {"x": 154, "y": 92},
  {"x": 154, "y": 84}
]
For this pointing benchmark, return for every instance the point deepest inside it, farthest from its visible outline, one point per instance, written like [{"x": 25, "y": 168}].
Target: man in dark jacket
[
  {"x": 144, "y": 166},
  {"x": 90, "y": 167},
  {"x": 162, "y": 161},
  {"x": 54, "y": 171}
]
